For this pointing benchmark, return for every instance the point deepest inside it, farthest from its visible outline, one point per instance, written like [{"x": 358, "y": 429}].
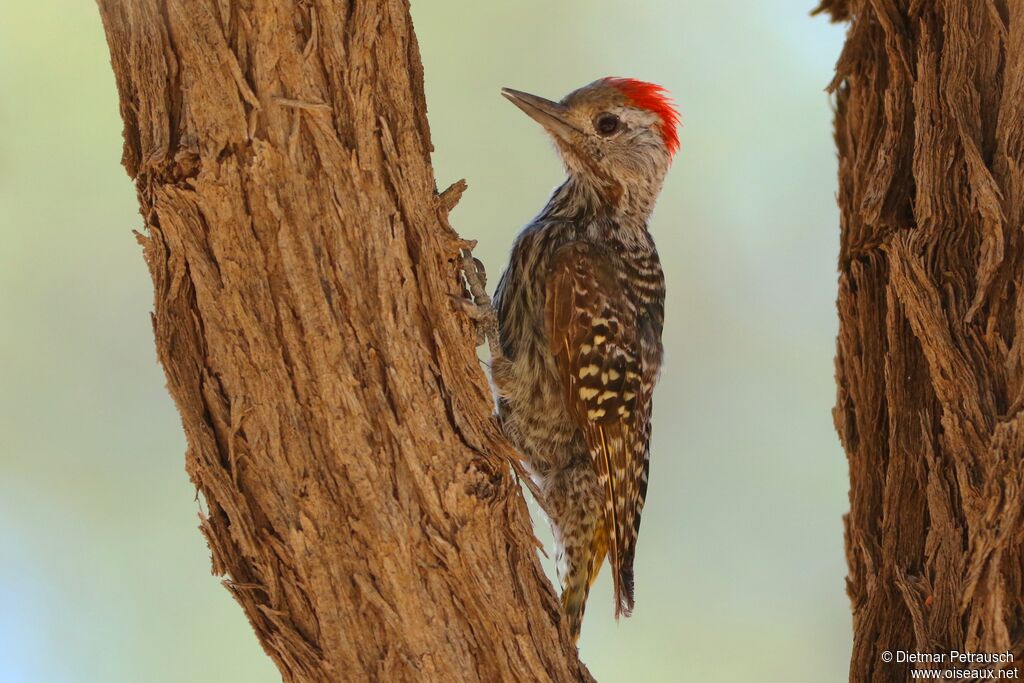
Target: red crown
[{"x": 654, "y": 99}]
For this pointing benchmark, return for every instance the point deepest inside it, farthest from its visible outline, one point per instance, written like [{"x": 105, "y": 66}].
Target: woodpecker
[{"x": 578, "y": 315}]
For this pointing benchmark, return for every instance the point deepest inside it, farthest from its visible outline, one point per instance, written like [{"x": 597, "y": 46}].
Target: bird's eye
[{"x": 607, "y": 124}]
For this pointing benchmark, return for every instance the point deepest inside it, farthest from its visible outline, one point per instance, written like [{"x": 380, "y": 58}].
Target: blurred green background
[{"x": 103, "y": 575}]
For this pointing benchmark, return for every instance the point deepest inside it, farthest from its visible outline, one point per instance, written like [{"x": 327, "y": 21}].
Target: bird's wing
[{"x": 593, "y": 332}]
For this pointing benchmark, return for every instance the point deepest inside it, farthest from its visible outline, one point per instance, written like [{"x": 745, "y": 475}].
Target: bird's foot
[{"x": 477, "y": 305}]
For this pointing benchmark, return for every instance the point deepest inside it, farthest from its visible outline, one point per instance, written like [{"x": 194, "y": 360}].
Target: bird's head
[{"x": 618, "y": 132}]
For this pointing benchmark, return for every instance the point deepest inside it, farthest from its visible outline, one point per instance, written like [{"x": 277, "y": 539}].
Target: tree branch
[
  {"x": 929, "y": 127},
  {"x": 360, "y": 497}
]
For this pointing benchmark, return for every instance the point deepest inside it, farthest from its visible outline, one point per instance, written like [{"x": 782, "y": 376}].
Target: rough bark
[
  {"x": 929, "y": 126},
  {"x": 360, "y": 498}
]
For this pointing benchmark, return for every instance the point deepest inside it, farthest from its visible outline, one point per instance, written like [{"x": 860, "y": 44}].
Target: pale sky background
[{"x": 740, "y": 569}]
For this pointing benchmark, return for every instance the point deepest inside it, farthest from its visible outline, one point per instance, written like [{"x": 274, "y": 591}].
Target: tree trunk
[
  {"x": 360, "y": 498},
  {"x": 930, "y": 365}
]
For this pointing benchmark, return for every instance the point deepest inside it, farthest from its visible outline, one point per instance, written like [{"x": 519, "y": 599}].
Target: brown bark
[
  {"x": 360, "y": 499},
  {"x": 930, "y": 366}
]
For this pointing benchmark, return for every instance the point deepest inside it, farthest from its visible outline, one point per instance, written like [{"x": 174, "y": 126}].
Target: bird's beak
[{"x": 552, "y": 115}]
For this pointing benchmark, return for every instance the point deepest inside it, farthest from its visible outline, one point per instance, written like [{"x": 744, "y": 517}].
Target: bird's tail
[
  {"x": 581, "y": 574},
  {"x": 624, "y": 600}
]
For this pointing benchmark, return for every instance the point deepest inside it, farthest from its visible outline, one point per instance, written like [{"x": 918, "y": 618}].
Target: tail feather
[
  {"x": 626, "y": 600},
  {"x": 580, "y": 577},
  {"x": 624, "y": 606}
]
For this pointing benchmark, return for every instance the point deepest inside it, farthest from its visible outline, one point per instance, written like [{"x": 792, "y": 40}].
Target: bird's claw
[
  {"x": 477, "y": 306},
  {"x": 476, "y": 278},
  {"x": 483, "y": 316}
]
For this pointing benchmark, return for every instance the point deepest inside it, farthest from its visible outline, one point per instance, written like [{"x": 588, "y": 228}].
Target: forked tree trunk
[
  {"x": 360, "y": 500},
  {"x": 930, "y": 366}
]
